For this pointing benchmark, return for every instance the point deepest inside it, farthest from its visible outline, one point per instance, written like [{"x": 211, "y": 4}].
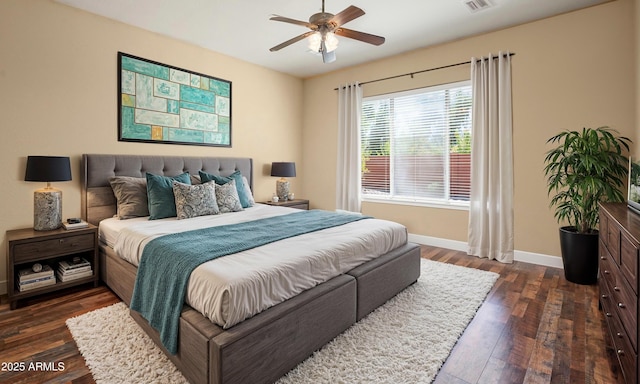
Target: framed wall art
[{"x": 159, "y": 103}]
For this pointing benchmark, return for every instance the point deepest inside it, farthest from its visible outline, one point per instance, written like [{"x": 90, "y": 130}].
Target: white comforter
[{"x": 230, "y": 289}]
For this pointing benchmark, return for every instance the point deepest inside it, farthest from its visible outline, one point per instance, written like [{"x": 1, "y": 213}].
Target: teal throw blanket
[{"x": 167, "y": 261}]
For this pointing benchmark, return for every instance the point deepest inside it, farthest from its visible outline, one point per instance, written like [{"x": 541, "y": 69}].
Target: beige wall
[
  {"x": 58, "y": 96},
  {"x": 569, "y": 71}
]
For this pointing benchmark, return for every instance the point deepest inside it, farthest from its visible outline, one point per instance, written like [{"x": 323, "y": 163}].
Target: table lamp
[
  {"x": 282, "y": 170},
  {"x": 47, "y": 202}
]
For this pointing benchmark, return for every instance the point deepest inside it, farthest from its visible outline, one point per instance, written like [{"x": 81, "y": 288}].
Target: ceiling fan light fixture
[
  {"x": 331, "y": 41},
  {"x": 314, "y": 42},
  {"x": 317, "y": 39}
]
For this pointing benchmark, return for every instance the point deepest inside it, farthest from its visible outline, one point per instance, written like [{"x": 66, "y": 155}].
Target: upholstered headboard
[{"x": 98, "y": 201}]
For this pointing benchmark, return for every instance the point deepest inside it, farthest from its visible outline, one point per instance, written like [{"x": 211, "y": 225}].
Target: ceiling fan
[{"x": 323, "y": 28}]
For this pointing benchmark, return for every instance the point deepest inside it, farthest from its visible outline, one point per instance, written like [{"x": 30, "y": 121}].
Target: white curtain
[
  {"x": 491, "y": 204},
  {"x": 348, "y": 172}
]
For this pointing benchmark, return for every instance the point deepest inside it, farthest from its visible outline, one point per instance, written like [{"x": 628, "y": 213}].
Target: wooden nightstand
[
  {"x": 296, "y": 203},
  {"x": 27, "y": 246}
]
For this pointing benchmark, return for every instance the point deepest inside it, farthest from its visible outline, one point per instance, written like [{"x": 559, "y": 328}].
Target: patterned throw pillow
[
  {"x": 227, "y": 197},
  {"x": 243, "y": 195},
  {"x": 195, "y": 200}
]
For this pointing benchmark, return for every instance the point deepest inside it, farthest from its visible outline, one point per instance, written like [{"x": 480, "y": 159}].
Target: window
[{"x": 416, "y": 145}]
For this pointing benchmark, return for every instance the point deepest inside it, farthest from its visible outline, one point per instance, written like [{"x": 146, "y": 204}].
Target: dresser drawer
[
  {"x": 604, "y": 226},
  {"x": 629, "y": 261},
  {"x": 622, "y": 347},
  {"x": 624, "y": 301},
  {"x": 613, "y": 240},
  {"x": 607, "y": 267},
  {"x": 37, "y": 250},
  {"x": 625, "y": 304},
  {"x": 606, "y": 301}
]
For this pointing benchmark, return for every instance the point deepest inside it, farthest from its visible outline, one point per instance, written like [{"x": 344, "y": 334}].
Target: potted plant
[{"x": 585, "y": 168}]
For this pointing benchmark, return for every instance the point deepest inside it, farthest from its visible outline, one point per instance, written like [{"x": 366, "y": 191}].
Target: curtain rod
[{"x": 422, "y": 71}]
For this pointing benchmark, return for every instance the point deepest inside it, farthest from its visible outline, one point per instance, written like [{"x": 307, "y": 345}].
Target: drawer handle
[
  {"x": 621, "y": 305},
  {"x": 619, "y": 335},
  {"x": 620, "y": 352},
  {"x": 602, "y": 258},
  {"x": 608, "y": 314},
  {"x": 605, "y": 296},
  {"x": 616, "y": 288},
  {"x": 606, "y": 272}
]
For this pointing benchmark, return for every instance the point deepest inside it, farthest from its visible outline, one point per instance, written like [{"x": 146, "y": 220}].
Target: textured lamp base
[
  {"x": 282, "y": 190},
  {"x": 47, "y": 209}
]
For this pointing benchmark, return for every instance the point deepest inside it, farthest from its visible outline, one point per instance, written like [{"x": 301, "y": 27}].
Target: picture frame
[{"x": 160, "y": 103}]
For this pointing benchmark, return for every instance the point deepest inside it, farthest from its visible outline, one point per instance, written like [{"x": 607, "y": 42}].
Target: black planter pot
[{"x": 579, "y": 255}]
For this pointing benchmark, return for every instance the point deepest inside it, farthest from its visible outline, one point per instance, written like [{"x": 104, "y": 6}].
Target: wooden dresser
[{"x": 618, "y": 282}]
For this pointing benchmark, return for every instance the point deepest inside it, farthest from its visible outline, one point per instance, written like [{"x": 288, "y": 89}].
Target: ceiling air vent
[{"x": 477, "y": 5}]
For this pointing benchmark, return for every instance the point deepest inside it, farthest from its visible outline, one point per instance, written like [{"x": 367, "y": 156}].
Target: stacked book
[
  {"x": 78, "y": 268},
  {"x": 75, "y": 224},
  {"x": 28, "y": 279}
]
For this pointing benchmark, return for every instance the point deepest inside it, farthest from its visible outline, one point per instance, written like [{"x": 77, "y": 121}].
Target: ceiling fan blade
[
  {"x": 365, "y": 37},
  {"x": 291, "y": 41},
  {"x": 293, "y": 21},
  {"x": 346, "y": 15}
]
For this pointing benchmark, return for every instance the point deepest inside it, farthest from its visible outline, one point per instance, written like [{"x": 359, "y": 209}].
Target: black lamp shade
[
  {"x": 48, "y": 168},
  {"x": 283, "y": 169}
]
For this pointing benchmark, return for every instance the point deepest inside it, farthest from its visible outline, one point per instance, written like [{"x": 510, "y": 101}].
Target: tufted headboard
[{"x": 98, "y": 201}]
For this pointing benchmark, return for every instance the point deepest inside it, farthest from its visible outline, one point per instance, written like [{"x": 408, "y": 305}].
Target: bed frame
[{"x": 266, "y": 346}]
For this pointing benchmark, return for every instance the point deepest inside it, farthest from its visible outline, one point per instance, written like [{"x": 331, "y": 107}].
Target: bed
[{"x": 267, "y": 344}]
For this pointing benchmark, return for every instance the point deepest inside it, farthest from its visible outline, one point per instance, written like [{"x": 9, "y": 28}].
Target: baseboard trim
[{"x": 524, "y": 256}]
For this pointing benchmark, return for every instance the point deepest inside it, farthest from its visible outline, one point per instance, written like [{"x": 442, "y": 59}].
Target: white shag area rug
[{"x": 405, "y": 341}]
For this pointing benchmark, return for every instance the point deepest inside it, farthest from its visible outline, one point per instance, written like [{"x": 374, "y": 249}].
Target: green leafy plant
[
  {"x": 462, "y": 142},
  {"x": 585, "y": 168}
]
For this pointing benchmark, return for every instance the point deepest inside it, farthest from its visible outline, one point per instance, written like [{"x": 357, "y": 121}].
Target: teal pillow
[
  {"x": 222, "y": 180},
  {"x": 162, "y": 202}
]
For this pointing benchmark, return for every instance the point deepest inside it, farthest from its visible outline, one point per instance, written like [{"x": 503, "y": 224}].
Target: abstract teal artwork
[{"x": 158, "y": 103}]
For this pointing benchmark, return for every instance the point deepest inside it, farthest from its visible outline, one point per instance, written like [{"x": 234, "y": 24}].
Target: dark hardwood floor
[{"x": 534, "y": 327}]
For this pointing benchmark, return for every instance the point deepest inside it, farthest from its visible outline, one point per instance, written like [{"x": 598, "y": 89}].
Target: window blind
[{"x": 416, "y": 145}]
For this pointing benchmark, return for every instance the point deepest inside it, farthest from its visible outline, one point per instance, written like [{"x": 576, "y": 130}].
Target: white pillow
[{"x": 248, "y": 192}]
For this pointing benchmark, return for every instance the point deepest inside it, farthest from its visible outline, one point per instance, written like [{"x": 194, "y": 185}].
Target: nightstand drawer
[
  {"x": 36, "y": 250},
  {"x": 300, "y": 206}
]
